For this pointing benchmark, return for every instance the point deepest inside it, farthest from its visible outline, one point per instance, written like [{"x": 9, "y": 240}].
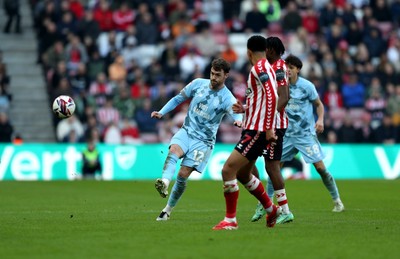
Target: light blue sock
[
  {"x": 270, "y": 189},
  {"x": 177, "y": 191},
  {"x": 330, "y": 184},
  {"x": 169, "y": 166}
]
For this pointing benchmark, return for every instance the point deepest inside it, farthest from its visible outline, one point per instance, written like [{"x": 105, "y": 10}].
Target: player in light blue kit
[
  {"x": 194, "y": 142},
  {"x": 301, "y": 134}
]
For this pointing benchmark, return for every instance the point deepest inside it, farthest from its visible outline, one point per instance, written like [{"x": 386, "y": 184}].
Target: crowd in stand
[
  {"x": 6, "y": 129},
  {"x": 121, "y": 60}
]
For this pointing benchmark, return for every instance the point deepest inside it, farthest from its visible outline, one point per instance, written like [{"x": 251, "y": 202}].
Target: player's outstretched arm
[{"x": 156, "y": 115}]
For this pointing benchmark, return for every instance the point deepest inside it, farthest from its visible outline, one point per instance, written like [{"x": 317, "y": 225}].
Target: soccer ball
[{"x": 63, "y": 106}]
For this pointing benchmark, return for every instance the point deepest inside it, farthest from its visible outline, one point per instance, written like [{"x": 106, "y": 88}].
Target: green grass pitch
[{"x": 92, "y": 219}]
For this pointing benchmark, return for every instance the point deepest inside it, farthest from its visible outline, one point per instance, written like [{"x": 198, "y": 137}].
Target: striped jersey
[
  {"x": 282, "y": 79},
  {"x": 261, "y": 97}
]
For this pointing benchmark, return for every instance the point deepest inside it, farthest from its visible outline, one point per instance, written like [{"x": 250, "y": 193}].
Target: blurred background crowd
[{"x": 121, "y": 60}]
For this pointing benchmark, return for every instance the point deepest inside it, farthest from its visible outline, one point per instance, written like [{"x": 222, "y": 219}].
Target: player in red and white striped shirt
[
  {"x": 258, "y": 132},
  {"x": 273, "y": 153}
]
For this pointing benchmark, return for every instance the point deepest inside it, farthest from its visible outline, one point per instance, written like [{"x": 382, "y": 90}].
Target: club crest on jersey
[
  {"x": 264, "y": 77},
  {"x": 280, "y": 74},
  {"x": 248, "y": 91}
]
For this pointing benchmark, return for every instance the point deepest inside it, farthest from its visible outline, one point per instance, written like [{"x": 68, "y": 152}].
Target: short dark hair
[
  {"x": 276, "y": 44},
  {"x": 294, "y": 61},
  {"x": 257, "y": 43},
  {"x": 221, "y": 64}
]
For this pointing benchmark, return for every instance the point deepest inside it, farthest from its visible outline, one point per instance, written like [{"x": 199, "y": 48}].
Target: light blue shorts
[
  {"x": 308, "y": 146},
  {"x": 196, "y": 152}
]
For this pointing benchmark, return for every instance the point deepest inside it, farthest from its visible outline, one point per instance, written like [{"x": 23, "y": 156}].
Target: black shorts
[
  {"x": 251, "y": 144},
  {"x": 273, "y": 151}
]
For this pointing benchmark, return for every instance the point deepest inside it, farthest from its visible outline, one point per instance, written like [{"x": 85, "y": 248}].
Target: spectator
[
  {"x": 64, "y": 128},
  {"x": 130, "y": 51},
  {"x": 56, "y": 75},
  {"x": 88, "y": 26},
  {"x": 54, "y": 55},
  {"x": 381, "y": 11},
  {"x": 77, "y": 8},
  {"x": 386, "y": 132},
  {"x": 143, "y": 118},
  {"x": 292, "y": 20},
  {"x": 5, "y": 82},
  {"x": 75, "y": 54},
  {"x": 182, "y": 27},
  {"x": 327, "y": 15},
  {"x": 213, "y": 9},
  {"x": 375, "y": 105},
  {"x": 206, "y": 42},
  {"x": 229, "y": 54},
  {"x": 147, "y": 32},
  {"x": 100, "y": 88},
  {"x": 123, "y": 17},
  {"x": 130, "y": 132},
  {"x": 66, "y": 26},
  {"x": 108, "y": 114},
  {"x": 271, "y": 9},
  {"x": 333, "y": 98},
  {"x": 112, "y": 134},
  {"x": 255, "y": 21},
  {"x": 310, "y": 21},
  {"x": 103, "y": 15},
  {"x": 123, "y": 102},
  {"x": 190, "y": 62},
  {"x": 353, "y": 92},
  {"x": 80, "y": 81},
  {"x": 95, "y": 66},
  {"x": 11, "y": 8},
  {"x": 6, "y": 129},
  {"x": 117, "y": 71},
  {"x": 347, "y": 132}
]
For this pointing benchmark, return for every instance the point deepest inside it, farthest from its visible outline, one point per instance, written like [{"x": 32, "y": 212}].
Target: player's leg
[
  {"x": 330, "y": 184},
  {"x": 243, "y": 153},
  {"x": 273, "y": 156},
  {"x": 178, "y": 147},
  {"x": 196, "y": 159},
  {"x": 312, "y": 152},
  {"x": 176, "y": 192}
]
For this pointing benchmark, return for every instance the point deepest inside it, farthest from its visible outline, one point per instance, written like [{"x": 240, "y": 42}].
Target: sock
[
  {"x": 231, "y": 194},
  {"x": 168, "y": 209},
  {"x": 330, "y": 184},
  {"x": 255, "y": 187},
  {"x": 177, "y": 190},
  {"x": 282, "y": 200},
  {"x": 270, "y": 189},
  {"x": 169, "y": 167}
]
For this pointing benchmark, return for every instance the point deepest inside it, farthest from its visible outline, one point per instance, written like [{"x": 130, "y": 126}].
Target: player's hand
[
  {"x": 319, "y": 126},
  {"x": 156, "y": 115},
  {"x": 237, "y": 124},
  {"x": 271, "y": 136},
  {"x": 238, "y": 107}
]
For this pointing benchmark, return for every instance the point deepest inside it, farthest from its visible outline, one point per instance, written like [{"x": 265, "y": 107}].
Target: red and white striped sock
[
  {"x": 281, "y": 198},
  {"x": 255, "y": 187},
  {"x": 231, "y": 194}
]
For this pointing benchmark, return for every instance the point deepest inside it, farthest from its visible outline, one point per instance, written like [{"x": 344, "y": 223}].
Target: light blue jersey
[
  {"x": 206, "y": 109},
  {"x": 300, "y": 134},
  {"x": 300, "y": 108}
]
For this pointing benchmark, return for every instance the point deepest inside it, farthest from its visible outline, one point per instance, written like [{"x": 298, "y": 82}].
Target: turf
[{"x": 92, "y": 219}]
